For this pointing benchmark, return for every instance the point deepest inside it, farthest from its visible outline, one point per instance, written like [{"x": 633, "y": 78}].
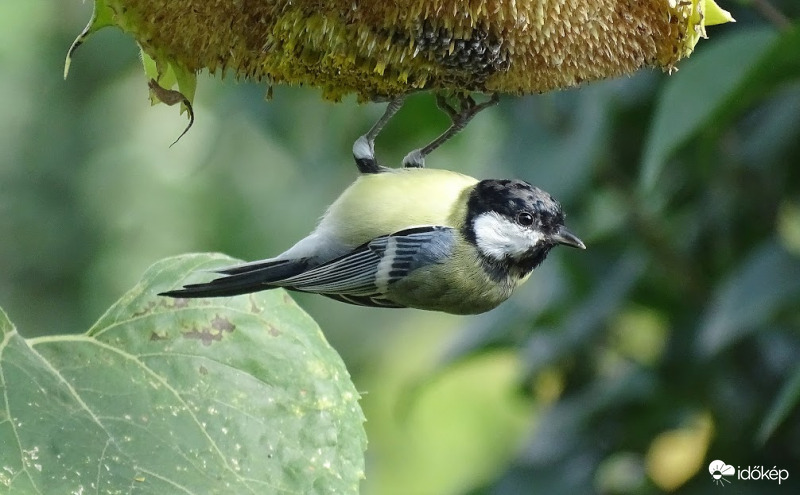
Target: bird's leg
[
  {"x": 364, "y": 147},
  {"x": 459, "y": 119}
]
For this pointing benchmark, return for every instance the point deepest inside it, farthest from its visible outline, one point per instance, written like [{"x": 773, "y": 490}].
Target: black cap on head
[
  {"x": 510, "y": 198},
  {"x": 535, "y": 225}
]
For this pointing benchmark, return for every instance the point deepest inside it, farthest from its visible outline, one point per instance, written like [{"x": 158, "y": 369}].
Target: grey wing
[{"x": 364, "y": 275}]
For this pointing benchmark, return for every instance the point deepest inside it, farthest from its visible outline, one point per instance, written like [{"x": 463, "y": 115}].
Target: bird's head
[{"x": 513, "y": 225}]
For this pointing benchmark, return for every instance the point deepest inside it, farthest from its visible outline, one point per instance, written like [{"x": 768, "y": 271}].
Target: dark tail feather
[
  {"x": 278, "y": 267},
  {"x": 243, "y": 279},
  {"x": 214, "y": 290}
]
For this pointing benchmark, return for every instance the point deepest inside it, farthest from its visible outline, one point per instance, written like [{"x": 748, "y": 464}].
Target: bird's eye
[{"x": 525, "y": 219}]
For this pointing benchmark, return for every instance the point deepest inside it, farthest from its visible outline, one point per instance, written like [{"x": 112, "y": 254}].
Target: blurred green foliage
[{"x": 673, "y": 340}]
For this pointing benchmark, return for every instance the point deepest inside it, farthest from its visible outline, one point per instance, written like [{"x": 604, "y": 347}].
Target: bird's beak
[{"x": 567, "y": 238}]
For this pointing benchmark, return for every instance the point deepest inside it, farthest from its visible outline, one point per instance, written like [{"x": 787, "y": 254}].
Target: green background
[{"x": 672, "y": 341}]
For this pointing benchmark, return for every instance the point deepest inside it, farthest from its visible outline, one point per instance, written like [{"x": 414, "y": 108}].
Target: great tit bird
[{"x": 412, "y": 237}]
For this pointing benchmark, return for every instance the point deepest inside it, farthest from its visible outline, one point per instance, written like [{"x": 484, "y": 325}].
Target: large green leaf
[{"x": 232, "y": 395}]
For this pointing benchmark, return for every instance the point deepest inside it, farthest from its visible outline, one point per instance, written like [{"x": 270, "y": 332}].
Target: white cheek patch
[{"x": 499, "y": 237}]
